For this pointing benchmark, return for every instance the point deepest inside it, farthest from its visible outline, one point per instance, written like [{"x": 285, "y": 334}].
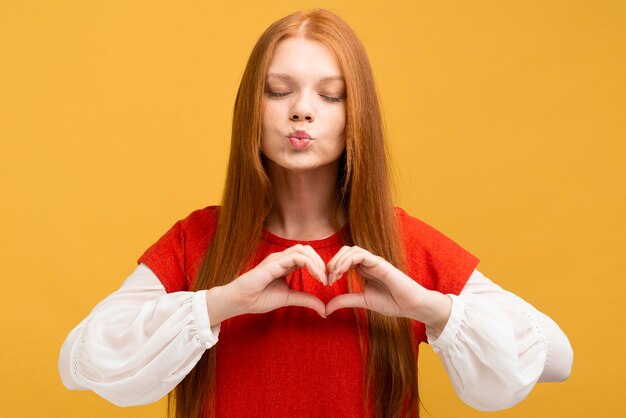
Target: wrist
[
  {"x": 434, "y": 311},
  {"x": 220, "y": 306}
]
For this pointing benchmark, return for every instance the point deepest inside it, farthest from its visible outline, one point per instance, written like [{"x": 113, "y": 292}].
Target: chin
[{"x": 311, "y": 166}]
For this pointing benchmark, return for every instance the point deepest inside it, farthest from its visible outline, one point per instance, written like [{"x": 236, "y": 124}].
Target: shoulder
[
  {"x": 201, "y": 219},
  {"x": 432, "y": 255},
  {"x": 409, "y": 223},
  {"x": 197, "y": 227},
  {"x": 416, "y": 232},
  {"x": 175, "y": 257},
  {"x": 197, "y": 231}
]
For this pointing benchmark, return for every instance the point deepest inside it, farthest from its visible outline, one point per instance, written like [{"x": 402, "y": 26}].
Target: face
[{"x": 304, "y": 91}]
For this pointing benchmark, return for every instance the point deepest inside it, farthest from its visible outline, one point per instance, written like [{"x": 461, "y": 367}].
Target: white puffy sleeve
[
  {"x": 495, "y": 346},
  {"x": 139, "y": 342}
]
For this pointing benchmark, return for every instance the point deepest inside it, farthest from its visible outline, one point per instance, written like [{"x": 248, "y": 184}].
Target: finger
[
  {"x": 347, "y": 300},
  {"x": 350, "y": 258},
  {"x": 337, "y": 268},
  {"x": 379, "y": 271},
  {"x": 310, "y": 252},
  {"x": 320, "y": 263},
  {"x": 373, "y": 266},
  {"x": 306, "y": 300},
  {"x": 289, "y": 260},
  {"x": 337, "y": 256},
  {"x": 281, "y": 266},
  {"x": 333, "y": 262}
]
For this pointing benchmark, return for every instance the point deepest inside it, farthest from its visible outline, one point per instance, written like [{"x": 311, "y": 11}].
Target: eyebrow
[{"x": 322, "y": 80}]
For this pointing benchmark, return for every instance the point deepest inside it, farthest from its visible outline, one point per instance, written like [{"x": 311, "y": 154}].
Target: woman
[{"x": 307, "y": 227}]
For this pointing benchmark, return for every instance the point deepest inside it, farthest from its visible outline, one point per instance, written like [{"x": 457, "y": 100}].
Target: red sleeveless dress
[{"x": 291, "y": 362}]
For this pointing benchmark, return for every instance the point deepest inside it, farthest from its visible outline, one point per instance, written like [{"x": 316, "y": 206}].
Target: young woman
[{"x": 238, "y": 310}]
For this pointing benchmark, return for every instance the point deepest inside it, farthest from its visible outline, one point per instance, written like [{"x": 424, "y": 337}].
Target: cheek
[
  {"x": 342, "y": 128},
  {"x": 270, "y": 114},
  {"x": 272, "y": 128},
  {"x": 340, "y": 122},
  {"x": 334, "y": 119}
]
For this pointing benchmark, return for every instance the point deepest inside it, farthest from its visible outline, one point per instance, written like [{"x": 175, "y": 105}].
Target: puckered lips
[{"x": 299, "y": 140}]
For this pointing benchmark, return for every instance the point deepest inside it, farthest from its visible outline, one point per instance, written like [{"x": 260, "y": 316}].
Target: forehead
[{"x": 303, "y": 58}]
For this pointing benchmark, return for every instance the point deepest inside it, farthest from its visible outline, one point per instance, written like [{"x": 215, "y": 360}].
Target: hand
[
  {"x": 264, "y": 288},
  {"x": 386, "y": 289}
]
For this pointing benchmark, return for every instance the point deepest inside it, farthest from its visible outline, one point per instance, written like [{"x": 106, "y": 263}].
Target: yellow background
[{"x": 506, "y": 122}]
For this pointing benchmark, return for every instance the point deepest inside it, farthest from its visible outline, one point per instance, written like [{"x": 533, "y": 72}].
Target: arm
[
  {"x": 138, "y": 343},
  {"x": 495, "y": 346}
]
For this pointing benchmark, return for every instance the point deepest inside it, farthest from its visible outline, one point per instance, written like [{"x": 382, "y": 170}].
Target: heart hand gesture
[{"x": 386, "y": 289}]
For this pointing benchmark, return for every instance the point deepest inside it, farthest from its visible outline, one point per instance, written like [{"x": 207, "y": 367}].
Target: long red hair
[{"x": 363, "y": 194}]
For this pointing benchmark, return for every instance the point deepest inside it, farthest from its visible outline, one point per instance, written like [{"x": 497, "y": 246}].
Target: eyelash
[{"x": 326, "y": 98}]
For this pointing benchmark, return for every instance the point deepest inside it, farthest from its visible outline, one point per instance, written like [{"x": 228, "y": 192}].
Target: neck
[{"x": 303, "y": 202}]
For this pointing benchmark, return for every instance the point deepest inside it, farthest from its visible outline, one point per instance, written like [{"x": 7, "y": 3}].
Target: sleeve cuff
[
  {"x": 452, "y": 326},
  {"x": 207, "y": 335},
  {"x": 541, "y": 336}
]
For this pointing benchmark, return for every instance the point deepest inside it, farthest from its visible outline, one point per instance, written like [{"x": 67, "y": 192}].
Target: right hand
[{"x": 264, "y": 288}]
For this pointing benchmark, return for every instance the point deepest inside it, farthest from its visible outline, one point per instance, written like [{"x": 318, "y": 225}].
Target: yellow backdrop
[{"x": 506, "y": 123}]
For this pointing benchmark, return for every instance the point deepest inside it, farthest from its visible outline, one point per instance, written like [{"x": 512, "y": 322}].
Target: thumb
[
  {"x": 347, "y": 300},
  {"x": 306, "y": 300}
]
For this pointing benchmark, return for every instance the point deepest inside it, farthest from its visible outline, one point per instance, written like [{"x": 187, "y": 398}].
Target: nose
[
  {"x": 302, "y": 110},
  {"x": 296, "y": 117}
]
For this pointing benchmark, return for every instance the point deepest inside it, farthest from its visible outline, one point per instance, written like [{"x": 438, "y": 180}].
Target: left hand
[{"x": 386, "y": 289}]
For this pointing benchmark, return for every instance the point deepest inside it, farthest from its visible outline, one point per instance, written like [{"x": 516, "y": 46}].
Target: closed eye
[
  {"x": 331, "y": 99},
  {"x": 273, "y": 94}
]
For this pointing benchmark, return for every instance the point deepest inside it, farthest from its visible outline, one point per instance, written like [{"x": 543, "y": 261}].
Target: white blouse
[{"x": 138, "y": 343}]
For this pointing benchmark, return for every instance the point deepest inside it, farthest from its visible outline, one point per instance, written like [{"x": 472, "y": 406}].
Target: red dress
[{"x": 291, "y": 362}]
